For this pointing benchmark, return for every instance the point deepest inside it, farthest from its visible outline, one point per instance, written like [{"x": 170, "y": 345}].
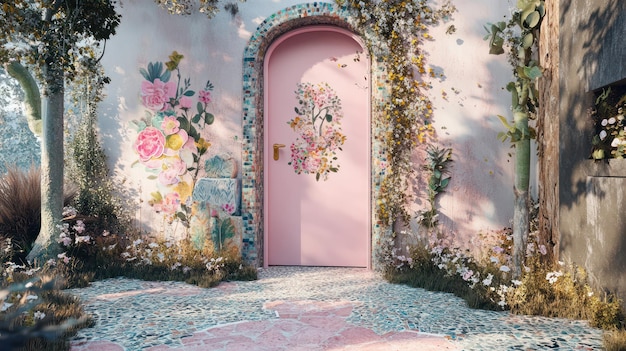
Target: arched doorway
[
  {"x": 253, "y": 148},
  {"x": 317, "y": 131}
]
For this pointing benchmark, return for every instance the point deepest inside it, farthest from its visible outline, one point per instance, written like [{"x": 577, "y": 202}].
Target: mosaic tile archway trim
[{"x": 279, "y": 23}]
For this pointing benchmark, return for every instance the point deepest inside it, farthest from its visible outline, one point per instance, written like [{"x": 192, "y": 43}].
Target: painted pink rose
[
  {"x": 155, "y": 96},
  {"x": 170, "y": 125},
  {"x": 149, "y": 144},
  {"x": 204, "y": 96},
  {"x": 173, "y": 167},
  {"x": 169, "y": 205},
  {"x": 185, "y": 102}
]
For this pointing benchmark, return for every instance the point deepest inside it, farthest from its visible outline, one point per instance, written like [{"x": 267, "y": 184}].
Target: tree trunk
[
  {"x": 32, "y": 106},
  {"x": 522, "y": 176},
  {"x": 548, "y": 132},
  {"x": 46, "y": 245}
]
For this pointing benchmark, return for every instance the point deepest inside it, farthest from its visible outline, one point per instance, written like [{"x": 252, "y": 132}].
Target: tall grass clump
[{"x": 20, "y": 208}]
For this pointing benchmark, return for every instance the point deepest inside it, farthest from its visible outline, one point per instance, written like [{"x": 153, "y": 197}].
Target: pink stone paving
[{"x": 302, "y": 325}]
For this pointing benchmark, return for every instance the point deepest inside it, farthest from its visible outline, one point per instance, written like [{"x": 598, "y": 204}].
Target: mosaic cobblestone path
[{"x": 308, "y": 308}]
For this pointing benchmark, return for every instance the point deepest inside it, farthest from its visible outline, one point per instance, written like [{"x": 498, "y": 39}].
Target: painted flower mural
[
  {"x": 318, "y": 124},
  {"x": 168, "y": 142}
]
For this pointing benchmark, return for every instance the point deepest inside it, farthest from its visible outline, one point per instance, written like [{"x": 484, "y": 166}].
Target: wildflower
[
  {"x": 494, "y": 259},
  {"x": 552, "y": 277},
  {"x": 28, "y": 285},
  {"x": 153, "y": 245},
  {"x": 39, "y": 315},
  {"x": 137, "y": 242},
  {"x": 186, "y": 269},
  {"x": 79, "y": 227},
  {"x": 125, "y": 254},
  {"x": 69, "y": 211},
  {"x": 603, "y": 134},
  {"x": 64, "y": 257},
  {"x": 65, "y": 239},
  {"x": 82, "y": 239},
  {"x": 160, "y": 257},
  {"x": 467, "y": 275},
  {"x": 487, "y": 281},
  {"x": 505, "y": 269},
  {"x": 52, "y": 262},
  {"x": 175, "y": 265},
  {"x": 516, "y": 282},
  {"x": 32, "y": 271}
]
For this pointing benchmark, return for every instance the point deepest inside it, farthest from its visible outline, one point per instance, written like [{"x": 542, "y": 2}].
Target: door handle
[{"x": 277, "y": 147}]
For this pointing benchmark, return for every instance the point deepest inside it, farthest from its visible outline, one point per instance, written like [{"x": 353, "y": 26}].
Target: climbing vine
[{"x": 397, "y": 29}]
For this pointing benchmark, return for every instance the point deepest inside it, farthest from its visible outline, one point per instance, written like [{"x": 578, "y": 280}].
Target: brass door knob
[{"x": 277, "y": 147}]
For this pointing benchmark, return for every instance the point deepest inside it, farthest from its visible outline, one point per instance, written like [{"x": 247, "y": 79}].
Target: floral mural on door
[
  {"x": 169, "y": 143},
  {"x": 318, "y": 124}
]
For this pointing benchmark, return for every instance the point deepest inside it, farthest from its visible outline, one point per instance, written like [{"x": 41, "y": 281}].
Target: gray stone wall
[{"x": 592, "y": 193}]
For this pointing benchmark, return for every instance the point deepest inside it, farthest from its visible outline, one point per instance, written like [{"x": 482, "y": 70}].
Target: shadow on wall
[
  {"x": 480, "y": 195},
  {"x": 592, "y": 56}
]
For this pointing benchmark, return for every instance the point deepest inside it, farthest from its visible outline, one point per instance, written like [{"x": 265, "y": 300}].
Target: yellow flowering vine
[{"x": 397, "y": 30}]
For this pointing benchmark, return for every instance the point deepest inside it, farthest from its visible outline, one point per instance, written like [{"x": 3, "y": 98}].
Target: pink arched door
[{"x": 317, "y": 150}]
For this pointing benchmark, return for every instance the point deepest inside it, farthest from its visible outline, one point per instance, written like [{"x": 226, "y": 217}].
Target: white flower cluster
[{"x": 552, "y": 277}]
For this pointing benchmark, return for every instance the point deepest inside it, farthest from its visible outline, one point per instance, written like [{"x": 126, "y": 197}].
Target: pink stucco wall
[{"x": 479, "y": 197}]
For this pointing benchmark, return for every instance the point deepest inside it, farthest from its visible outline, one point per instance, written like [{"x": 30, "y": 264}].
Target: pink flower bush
[
  {"x": 150, "y": 143},
  {"x": 157, "y": 94}
]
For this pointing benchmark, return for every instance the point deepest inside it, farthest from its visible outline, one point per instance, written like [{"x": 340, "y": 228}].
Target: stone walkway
[{"x": 308, "y": 308}]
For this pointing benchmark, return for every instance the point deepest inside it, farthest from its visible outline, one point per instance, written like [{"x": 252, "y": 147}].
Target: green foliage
[
  {"x": 69, "y": 22},
  {"x": 86, "y": 160},
  {"x": 437, "y": 162},
  {"x": 38, "y": 315},
  {"x": 20, "y": 206},
  {"x": 187, "y": 7}
]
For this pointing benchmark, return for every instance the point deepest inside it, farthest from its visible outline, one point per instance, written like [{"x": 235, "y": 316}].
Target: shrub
[
  {"x": 35, "y": 315},
  {"x": 20, "y": 208},
  {"x": 91, "y": 253},
  {"x": 543, "y": 289}
]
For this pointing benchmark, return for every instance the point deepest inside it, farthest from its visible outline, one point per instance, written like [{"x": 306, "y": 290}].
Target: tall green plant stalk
[{"x": 520, "y": 34}]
